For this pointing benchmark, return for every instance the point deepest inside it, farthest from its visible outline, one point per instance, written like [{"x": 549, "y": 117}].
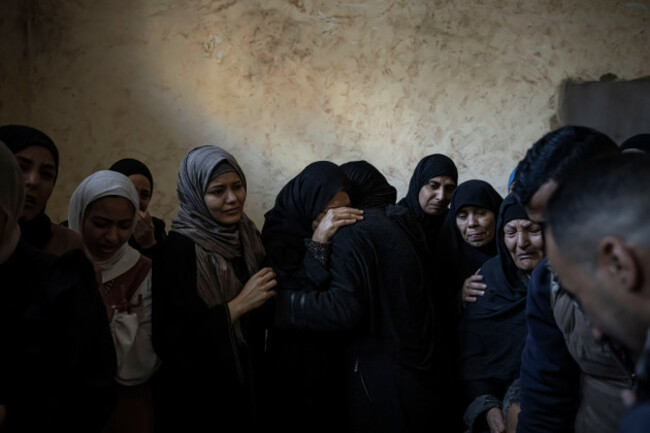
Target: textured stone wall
[{"x": 282, "y": 83}]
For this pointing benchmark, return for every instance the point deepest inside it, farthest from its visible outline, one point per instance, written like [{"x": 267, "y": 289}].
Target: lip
[
  {"x": 233, "y": 211},
  {"x": 475, "y": 236},
  {"x": 30, "y": 199}
]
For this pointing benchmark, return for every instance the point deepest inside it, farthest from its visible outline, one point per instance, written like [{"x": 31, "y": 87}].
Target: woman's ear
[{"x": 618, "y": 265}]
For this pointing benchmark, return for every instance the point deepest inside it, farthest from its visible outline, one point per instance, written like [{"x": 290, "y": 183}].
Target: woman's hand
[
  {"x": 256, "y": 291},
  {"x": 473, "y": 287},
  {"x": 335, "y": 219},
  {"x": 495, "y": 420},
  {"x": 144, "y": 233}
]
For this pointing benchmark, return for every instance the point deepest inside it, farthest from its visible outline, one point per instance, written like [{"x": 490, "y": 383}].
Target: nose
[
  {"x": 472, "y": 220},
  {"x": 31, "y": 177},
  {"x": 439, "y": 194},
  {"x": 523, "y": 239},
  {"x": 111, "y": 234},
  {"x": 230, "y": 196}
]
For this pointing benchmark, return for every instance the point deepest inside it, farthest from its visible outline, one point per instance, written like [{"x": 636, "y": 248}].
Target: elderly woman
[
  {"x": 430, "y": 188},
  {"x": 210, "y": 290},
  {"x": 465, "y": 242},
  {"x": 493, "y": 329}
]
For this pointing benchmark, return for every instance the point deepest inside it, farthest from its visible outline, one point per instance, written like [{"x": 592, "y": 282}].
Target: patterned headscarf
[{"x": 215, "y": 245}]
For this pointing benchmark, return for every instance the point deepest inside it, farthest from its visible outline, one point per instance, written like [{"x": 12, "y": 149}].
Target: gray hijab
[{"x": 215, "y": 245}]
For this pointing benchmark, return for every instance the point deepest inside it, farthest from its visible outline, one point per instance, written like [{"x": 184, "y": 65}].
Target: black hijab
[
  {"x": 129, "y": 166},
  {"x": 429, "y": 167},
  {"x": 462, "y": 258},
  {"x": 493, "y": 329},
  {"x": 37, "y": 231},
  {"x": 369, "y": 188},
  {"x": 288, "y": 223}
]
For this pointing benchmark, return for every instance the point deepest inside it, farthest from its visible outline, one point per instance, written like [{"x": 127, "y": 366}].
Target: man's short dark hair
[
  {"x": 606, "y": 196},
  {"x": 557, "y": 153}
]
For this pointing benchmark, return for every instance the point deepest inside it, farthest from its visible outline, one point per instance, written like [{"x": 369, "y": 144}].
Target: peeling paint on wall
[{"x": 283, "y": 83}]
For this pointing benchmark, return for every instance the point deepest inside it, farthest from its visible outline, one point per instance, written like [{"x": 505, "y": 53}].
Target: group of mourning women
[{"x": 348, "y": 311}]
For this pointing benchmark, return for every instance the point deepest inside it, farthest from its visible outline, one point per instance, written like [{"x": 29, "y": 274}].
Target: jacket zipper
[{"x": 363, "y": 382}]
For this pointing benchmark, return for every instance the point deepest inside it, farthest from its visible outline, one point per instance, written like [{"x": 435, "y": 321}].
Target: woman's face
[
  {"x": 143, "y": 186},
  {"x": 225, "y": 197},
  {"x": 107, "y": 225},
  {"x": 341, "y": 199},
  {"x": 524, "y": 241},
  {"x": 477, "y": 225},
  {"x": 435, "y": 195},
  {"x": 39, "y": 174}
]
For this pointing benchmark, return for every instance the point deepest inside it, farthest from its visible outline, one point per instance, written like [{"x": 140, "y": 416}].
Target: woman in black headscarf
[
  {"x": 369, "y": 186},
  {"x": 493, "y": 329},
  {"x": 308, "y": 210},
  {"x": 465, "y": 242},
  {"x": 38, "y": 158},
  {"x": 149, "y": 231},
  {"x": 467, "y": 238},
  {"x": 378, "y": 304},
  {"x": 432, "y": 184},
  {"x": 58, "y": 361},
  {"x": 210, "y": 289}
]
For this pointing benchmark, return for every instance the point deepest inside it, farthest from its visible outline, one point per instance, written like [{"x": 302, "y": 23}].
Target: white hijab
[{"x": 100, "y": 184}]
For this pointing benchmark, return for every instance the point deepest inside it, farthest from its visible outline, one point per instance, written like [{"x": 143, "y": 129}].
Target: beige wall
[{"x": 283, "y": 83}]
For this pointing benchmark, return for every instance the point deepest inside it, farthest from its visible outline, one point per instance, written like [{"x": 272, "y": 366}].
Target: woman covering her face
[
  {"x": 103, "y": 210},
  {"x": 210, "y": 287},
  {"x": 38, "y": 158},
  {"x": 149, "y": 231},
  {"x": 308, "y": 210},
  {"x": 58, "y": 365},
  {"x": 493, "y": 329}
]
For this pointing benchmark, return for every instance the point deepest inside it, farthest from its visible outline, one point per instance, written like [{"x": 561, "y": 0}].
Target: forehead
[
  {"x": 36, "y": 154},
  {"x": 112, "y": 207},
  {"x": 473, "y": 209},
  {"x": 536, "y": 206},
  {"x": 225, "y": 178},
  {"x": 140, "y": 181},
  {"x": 442, "y": 180},
  {"x": 519, "y": 222}
]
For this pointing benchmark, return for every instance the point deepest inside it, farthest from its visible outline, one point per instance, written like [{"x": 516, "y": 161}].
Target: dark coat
[
  {"x": 58, "y": 361},
  {"x": 205, "y": 377}
]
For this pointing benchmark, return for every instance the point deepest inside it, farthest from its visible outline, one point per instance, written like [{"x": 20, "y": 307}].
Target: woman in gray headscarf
[{"x": 209, "y": 286}]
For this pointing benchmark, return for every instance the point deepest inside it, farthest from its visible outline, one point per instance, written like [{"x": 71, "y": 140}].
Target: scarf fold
[{"x": 216, "y": 245}]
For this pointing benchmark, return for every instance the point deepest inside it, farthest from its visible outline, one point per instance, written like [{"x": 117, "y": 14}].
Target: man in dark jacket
[
  {"x": 598, "y": 243},
  {"x": 562, "y": 362}
]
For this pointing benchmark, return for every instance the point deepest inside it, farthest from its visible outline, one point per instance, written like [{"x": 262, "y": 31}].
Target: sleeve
[
  {"x": 83, "y": 356},
  {"x": 549, "y": 376},
  {"x": 330, "y": 302},
  {"x": 190, "y": 337},
  {"x": 136, "y": 358}
]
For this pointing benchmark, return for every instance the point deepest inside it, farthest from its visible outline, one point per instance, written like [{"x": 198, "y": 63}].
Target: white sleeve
[{"x": 136, "y": 359}]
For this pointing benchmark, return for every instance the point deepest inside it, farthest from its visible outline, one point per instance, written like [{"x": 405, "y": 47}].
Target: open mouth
[{"x": 29, "y": 199}]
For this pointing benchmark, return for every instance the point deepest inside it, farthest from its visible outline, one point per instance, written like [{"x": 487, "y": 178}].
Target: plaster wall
[{"x": 282, "y": 83}]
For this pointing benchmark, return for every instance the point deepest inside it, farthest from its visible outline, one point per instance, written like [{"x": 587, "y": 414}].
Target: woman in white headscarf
[
  {"x": 103, "y": 210},
  {"x": 58, "y": 361},
  {"x": 210, "y": 285}
]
